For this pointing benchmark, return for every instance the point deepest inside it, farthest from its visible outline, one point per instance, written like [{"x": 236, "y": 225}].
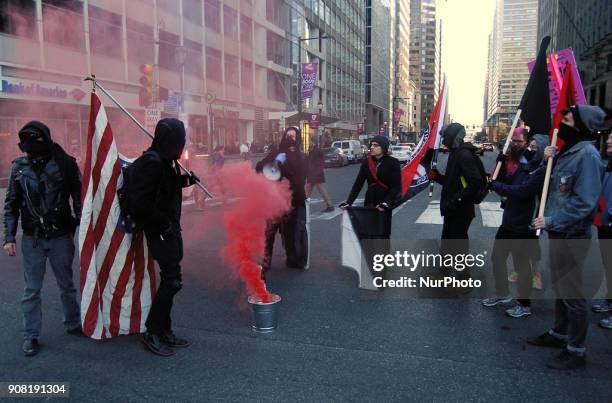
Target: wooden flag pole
[
  {"x": 507, "y": 143},
  {"x": 549, "y": 165}
]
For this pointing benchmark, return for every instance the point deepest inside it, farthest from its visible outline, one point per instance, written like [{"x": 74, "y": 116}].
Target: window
[
  {"x": 277, "y": 86},
  {"x": 212, "y": 13},
  {"x": 231, "y": 70},
  {"x": 247, "y": 74},
  {"x": 105, "y": 32},
  {"x": 213, "y": 64},
  {"x": 230, "y": 22},
  {"x": 278, "y": 49},
  {"x": 168, "y": 44},
  {"x": 63, "y": 23},
  {"x": 193, "y": 63},
  {"x": 192, "y": 11},
  {"x": 18, "y": 18},
  {"x": 246, "y": 33},
  {"x": 140, "y": 42},
  {"x": 169, "y": 5}
]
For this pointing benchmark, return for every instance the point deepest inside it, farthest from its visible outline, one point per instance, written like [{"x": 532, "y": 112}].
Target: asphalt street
[{"x": 335, "y": 341}]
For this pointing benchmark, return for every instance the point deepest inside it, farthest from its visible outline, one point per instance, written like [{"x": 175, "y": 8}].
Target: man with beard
[
  {"x": 155, "y": 200},
  {"x": 520, "y": 183},
  {"x": 40, "y": 187},
  {"x": 575, "y": 188},
  {"x": 292, "y": 226},
  {"x": 461, "y": 183}
]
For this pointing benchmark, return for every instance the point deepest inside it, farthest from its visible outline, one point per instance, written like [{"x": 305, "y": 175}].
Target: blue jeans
[{"x": 60, "y": 252}]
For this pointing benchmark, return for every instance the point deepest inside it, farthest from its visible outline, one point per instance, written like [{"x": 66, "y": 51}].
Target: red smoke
[{"x": 257, "y": 200}]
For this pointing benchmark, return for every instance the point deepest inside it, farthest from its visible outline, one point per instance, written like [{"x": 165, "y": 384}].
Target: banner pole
[
  {"x": 549, "y": 165},
  {"x": 144, "y": 129},
  {"x": 434, "y": 163},
  {"x": 507, "y": 143}
]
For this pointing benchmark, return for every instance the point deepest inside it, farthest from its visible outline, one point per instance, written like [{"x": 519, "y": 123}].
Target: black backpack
[
  {"x": 483, "y": 190},
  {"x": 124, "y": 192}
]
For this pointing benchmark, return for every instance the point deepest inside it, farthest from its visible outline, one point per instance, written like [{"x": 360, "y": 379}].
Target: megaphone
[{"x": 272, "y": 169}]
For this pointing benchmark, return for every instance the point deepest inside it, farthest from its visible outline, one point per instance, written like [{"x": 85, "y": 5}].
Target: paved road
[{"x": 335, "y": 341}]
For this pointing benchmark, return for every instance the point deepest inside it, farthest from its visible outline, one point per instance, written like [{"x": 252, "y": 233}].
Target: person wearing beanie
[
  {"x": 383, "y": 176},
  {"x": 573, "y": 196},
  {"x": 461, "y": 182},
  {"x": 41, "y": 187},
  {"x": 155, "y": 199}
]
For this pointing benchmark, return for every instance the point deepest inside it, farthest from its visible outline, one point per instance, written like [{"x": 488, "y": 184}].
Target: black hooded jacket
[
  {"x": 455, "y": 199},
  {"x": 294, "y": 168},
  {"x": 41, "y": 196},
  {"x": 156, "y": 182},
  {"x": 388, "y": 171}
]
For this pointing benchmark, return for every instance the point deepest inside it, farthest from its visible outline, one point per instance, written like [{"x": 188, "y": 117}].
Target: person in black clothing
[
  {"x": 40, "y": 188},
  {"x": 293, "y": 225},
  {"x": 155, "y": 201},
  {"x": 460, "y": 186},
  {"x": 520, "y": 183},
  {"x": 383, "y": 175}
]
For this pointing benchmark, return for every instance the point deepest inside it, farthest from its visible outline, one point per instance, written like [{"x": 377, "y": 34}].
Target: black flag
[{"x": 535, "y": 103}]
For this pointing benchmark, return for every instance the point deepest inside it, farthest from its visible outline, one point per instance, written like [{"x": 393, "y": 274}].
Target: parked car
[
  {"x": 334, "y": 157},
  {"x": 352, "y": 149},
  {"x": 488, "y": 146},
  {"x": 401, "y": 153}
]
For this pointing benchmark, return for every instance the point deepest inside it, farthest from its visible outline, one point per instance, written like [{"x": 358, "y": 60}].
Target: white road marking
[
  {"x": 431, "y": 215},
  {"x": 491, "y": 214}
]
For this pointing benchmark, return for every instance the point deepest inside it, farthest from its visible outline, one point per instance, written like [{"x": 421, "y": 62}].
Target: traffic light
[{"x": 146, "y": 81}]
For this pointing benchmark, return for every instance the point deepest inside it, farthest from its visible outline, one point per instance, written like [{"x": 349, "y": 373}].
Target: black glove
[{"x": 501, "y": 157}]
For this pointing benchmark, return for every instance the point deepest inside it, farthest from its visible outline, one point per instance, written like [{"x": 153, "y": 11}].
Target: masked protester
[
  {"x": 575, "y": 188},
  {"x": 520, "y": 182},
  {"x": 40, "y": 188},
  {"x": 156, "y": 195},
  {"x": 292, "y": 226},
  {"x": 604, "y": 231},
  {"x": 460, "y": 185}
]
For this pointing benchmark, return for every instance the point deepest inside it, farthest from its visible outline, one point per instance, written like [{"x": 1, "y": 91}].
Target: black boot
[
  {"x": 170, "y": 339},
  {"x": 155, "y": 345},
  {"x": 30, "y": 347}
]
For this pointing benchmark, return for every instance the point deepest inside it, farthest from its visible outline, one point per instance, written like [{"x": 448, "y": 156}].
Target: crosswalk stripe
[
  {"x": 431, "y": 215},
  {"x": 491, "y": 214}
]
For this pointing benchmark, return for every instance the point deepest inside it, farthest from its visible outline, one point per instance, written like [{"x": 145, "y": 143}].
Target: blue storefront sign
[{"x": 32, "y": 89}]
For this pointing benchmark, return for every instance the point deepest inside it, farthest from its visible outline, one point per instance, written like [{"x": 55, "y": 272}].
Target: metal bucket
[{"x": 265, "y": 314}]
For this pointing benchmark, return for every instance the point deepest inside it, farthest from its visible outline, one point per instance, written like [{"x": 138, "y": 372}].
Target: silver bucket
[{"x": 265, "y": 314}]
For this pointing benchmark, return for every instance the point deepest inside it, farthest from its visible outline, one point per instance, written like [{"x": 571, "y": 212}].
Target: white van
[{"x": 351, "y": 148}]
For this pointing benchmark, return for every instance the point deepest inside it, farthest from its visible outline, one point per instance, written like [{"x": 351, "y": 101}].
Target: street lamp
[
  {"x": 180, "y": 55},
  {"x": 320, "y": 129},
  {"x": 386, "y": 132}
]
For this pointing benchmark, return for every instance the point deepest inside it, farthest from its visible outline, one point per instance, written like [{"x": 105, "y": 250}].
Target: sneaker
[
  {"x": 328, "y": 209},
  {"x": 546, "y": 340},
  {"x": 513, "y": 277},
  {"x": 603, "y": 307},
  {"x": 171, "y": 340},
  {"x": 567, "y": 360},
  {"x": 518, "y": 311},
  {"x": 536, "y": 282},
  {"x": 606, "y": 322},
  {"x": 496, "y": 301},
  {"x": 30, "y": 347},
  {"x": 154, "y": 344}
]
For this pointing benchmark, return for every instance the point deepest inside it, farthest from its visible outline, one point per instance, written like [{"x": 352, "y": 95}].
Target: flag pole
[
  {"x": 507, "y": 143},
  {"x": 549, "y": 165},
  {"x": 144, "y": 129},
  {"x": 434, "y": 163}
]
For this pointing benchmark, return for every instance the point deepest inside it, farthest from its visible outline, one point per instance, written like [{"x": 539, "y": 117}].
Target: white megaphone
[{"x": 272, "y": 169}]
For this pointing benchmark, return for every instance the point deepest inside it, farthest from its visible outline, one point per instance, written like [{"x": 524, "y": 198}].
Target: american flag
[{"x": 117, "y": 272}]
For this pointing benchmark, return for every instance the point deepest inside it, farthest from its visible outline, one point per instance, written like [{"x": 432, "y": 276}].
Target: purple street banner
[
  {"x": 314, "y": 121},
  {"x": 309, "y": 77},
  {"x": 556, "y": 71}
]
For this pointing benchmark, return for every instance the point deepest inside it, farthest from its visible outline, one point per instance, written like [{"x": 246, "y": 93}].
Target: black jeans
[
  {"x": 567, "y": 255},
  {"x": 455, "y": 238},
  {"x": 292, "y": 227},
  {"x": 521, "y": 246},
  {"x": 605, "y": 247},
  {"x": 168, "y": 253}
]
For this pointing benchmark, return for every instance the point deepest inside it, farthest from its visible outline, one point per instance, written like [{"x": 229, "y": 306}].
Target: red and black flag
[{"x": 535, "y": 103}]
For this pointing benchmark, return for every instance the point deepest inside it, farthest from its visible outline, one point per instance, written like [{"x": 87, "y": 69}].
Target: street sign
[
  {"x": 314, "y": 121},
  {"x": 171, "y": 105},
  {"x": 152, "y": 116}
]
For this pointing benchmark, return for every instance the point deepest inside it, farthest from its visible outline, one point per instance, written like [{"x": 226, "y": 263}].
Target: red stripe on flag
[
  {"x": 101, "y": 157},
  {"x": 109, "y": 196},
  {"x": 93, "y": 112},
  {"x": 119, "y": 292},
  {"x": 85, "y": 256},
  {"x": 136, "y": 314}
]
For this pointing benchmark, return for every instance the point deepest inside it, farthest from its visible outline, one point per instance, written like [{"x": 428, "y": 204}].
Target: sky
[{"x": 466, "y": 25}]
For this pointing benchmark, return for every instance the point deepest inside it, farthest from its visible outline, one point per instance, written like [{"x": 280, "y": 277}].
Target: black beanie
[{"x": 383, "y": 141}]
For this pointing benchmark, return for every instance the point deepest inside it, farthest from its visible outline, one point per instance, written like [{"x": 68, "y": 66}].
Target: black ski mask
[
  {"x": 35, "y": 139},
  {"x": 170, "y": 138}
]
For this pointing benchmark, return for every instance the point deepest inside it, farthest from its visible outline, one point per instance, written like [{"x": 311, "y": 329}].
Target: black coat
[
  {"x": 456, "y": 200},
  {"x": 316, "y": 166},
  {"x": 388, "y": 171},
  {"x": 45, "y": 194},
  {"x": 156, "y": 193},
  {"x": 294, "y": 170}
]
